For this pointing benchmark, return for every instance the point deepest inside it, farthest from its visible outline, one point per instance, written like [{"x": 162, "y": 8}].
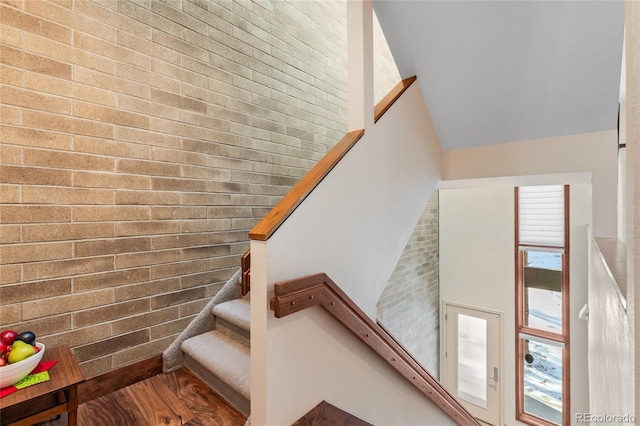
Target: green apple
[{"x": 19, "y": 351}]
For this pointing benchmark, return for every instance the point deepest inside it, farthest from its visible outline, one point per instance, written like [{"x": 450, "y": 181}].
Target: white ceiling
[{"x": 504, "y": 71}]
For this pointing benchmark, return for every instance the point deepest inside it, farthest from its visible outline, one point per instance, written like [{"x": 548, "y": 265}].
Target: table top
[{"x": 64, "y": 374}]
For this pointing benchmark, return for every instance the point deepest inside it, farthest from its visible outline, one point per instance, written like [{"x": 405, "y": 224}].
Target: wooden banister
[
  {"x": 245, "y": 264},
  {"x": 391, "y": 97},
  {"x": 268, "y": 225},
  {"x": 319, "y": 290}
]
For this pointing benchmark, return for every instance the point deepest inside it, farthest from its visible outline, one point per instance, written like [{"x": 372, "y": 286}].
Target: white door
[{"x": 472, "y": 361}]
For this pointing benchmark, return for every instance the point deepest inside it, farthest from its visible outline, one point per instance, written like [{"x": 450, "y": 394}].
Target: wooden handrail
[
  {"x": 268, "y": 225},
  {"x": 391, "y": 97},
  {"x": 319, "y": 290}
]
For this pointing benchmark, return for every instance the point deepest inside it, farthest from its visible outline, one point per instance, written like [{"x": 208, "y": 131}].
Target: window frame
[{"x": 563, "y": 337}]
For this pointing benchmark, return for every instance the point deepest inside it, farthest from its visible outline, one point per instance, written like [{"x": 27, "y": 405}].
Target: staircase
[
  {"x": 216, "y": 344},
  {"x": 221, "y": 357}
]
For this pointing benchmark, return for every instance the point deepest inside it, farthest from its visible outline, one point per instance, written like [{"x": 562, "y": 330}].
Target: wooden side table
[{"x": 47, "y": 399}]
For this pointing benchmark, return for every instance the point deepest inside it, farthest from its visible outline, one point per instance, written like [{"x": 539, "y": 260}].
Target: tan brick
[
  {"x": 17, "y": 253},
  {"x": 96, "y": 367},
  {"x": 66, "y": 124},
  {"x": 147, "y": 78},
  {"x": 9, "y": 193},
  {"x": 33, "y": 138},
  {"x": 68, "y": 54},
  {"x": 141, "y": 352},
  {"x": 64, "y": 304},
  {"x": 179, "y": 156},
  {"x": 191, "y": 308},
  {"x": 204, "y": 252},
  {"x": 111, "y": 148},
  {"x": 62, "y": 196},
  {"x": 34, "y": 214},
  {"x": 10, "y": 36},
  {"x": 109, "y": 279},
  {"x": 181, "y": 268},
  {"x": 65, "y": 16},
  {"x": 19, "y": 59},
  {"x": 132, "y": 260},
  {"x": 154, "y": 50},
  {"x": 227, "y": 237},
  {"x": 10, "y": 234},
  {"x": 147, "y": 137},
  {"x": 110, "y": 213},
  {"x": 66, "y": 160},
  {"x": 151, "y": 288},
  {"x": 178, "y": 297},
  {"x": 34, "y": 25},
  {"x": 78, "y": 337},
  {"x": 66, "y": 268},
  {"x": 147, "y": 198},
  {"x": 34, "y": 290},
  {"x": 56, "y": 86},
  {"x": 110, "y": 346},
  {"x": 12, "y": 76},
  {"x": 202, "y": 199},
  {"x": 111, "y": 246},
  {"x": 110, "y": 180},
  {"x": 177, "y": 184},
  {"x": 124, "y": 22},
  {"x": 181, "y": 102},
  {"x": 110, "y": 50},
  {"x": 9, "y": 314},
  {"x": 110, "y": 312},
  {"x": 10, "y": 154},
  {"x": 44, "y": 326},
  {"x": 178, "y": 128},
  {"x": 152, "y": 168},
  {"x": 10, "y": 115},
  {"x": 147, "y": 228},
  {"x": 145, "y": 320},
  {"x": 109, "y": 82},
  {"x": 181, "y": 240},
  {"x": 109, "y": 115},
  {"x": 169, "y": 328},
  {"x": 70, "y": 231},
  {"x": 178, "y": 212},
  {"x": 208, "y": 225},
  {"x": 10, "y": 274}
]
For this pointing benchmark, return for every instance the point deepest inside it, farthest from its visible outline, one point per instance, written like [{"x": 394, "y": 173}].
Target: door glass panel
[
  {"x": 543, "y": 380},
  {"x": 543, "y": 290},
  {"x": 472, "y": 359}
]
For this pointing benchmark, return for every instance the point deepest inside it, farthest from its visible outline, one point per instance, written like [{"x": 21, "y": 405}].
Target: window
[{"x": 542, "y": 304}]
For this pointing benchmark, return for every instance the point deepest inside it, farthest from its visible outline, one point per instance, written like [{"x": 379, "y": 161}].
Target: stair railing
[{"x": 319, "y": 290}]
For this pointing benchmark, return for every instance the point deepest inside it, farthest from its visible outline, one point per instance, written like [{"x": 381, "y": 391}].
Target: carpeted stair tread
[
  {"x": 237, "y": 312},
  {"x": 227, "y": 359}
]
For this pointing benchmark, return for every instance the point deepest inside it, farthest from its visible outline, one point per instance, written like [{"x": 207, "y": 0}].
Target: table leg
[{"x": 72, "y": 406}]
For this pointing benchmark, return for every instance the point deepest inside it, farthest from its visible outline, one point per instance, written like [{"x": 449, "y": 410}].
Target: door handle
[{"x": 494, "y": 378}]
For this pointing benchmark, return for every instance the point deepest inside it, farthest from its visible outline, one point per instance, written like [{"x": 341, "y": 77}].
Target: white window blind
[{"x": 541, "y": 215}]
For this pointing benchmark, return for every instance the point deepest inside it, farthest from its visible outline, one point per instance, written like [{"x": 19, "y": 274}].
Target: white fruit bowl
[{"x": 13, "y": 373}]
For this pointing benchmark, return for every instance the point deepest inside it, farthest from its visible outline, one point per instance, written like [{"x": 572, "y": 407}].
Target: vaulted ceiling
[{"x": 503, "y": 71}]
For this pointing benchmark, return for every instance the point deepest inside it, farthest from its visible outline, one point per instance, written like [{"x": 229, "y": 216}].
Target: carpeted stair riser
[
  {"x": 233, "y": 331},
  {"x": 223, "y": 363}
]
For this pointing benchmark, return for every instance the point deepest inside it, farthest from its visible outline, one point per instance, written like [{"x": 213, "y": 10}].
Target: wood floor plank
[
  {"x": 158, "y": 411},
  {"x": 209, "y": 408},
  {"x": 114, "y": 409}
]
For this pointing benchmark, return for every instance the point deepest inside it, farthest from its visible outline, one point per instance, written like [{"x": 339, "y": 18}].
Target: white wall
[
  {"x": 354, "y": 227},
  {"x": 594, "y": 152},
  {"x": 611, "y": 363},
  {"x": 477, "y": 269}
]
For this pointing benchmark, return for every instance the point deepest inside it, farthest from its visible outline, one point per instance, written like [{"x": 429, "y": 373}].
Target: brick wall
[
  {"x": 140, "y": 141},
  {"x": 410, "y": 304}
]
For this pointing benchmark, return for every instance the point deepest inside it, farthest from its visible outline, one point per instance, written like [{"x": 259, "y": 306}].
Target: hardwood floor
[{"x": 177, "y": 398}]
